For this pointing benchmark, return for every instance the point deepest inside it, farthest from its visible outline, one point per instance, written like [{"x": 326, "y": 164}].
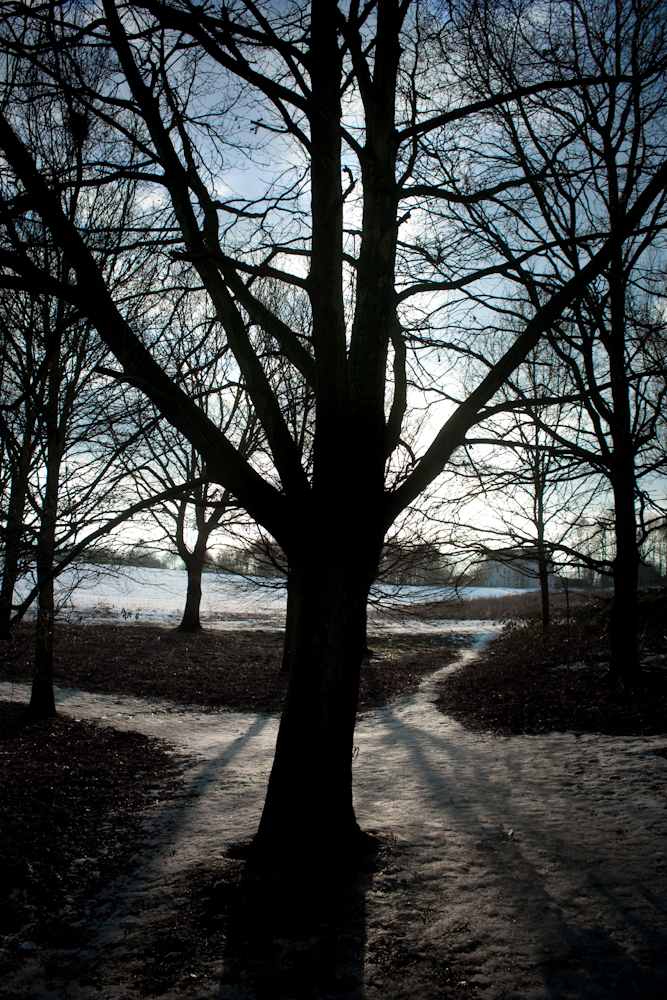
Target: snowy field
[{"x": 158, "y": 596}]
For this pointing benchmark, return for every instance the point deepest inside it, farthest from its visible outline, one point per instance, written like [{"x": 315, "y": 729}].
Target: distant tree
[
  {"x": 62, "y": 431},
  {"x": 617, "y": 357},
  {"x": 188, "y": 522},
  {"x": 18, "y": 418},
  {"x": 655, "y": 550},
  {"x": 534, "y": 492},
  {"x": 64, "y": 470}
]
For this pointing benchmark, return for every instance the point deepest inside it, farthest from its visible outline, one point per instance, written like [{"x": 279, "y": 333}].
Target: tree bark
[
  {"x": 624, "y": 665},
  {"x": 42, "y": 701},
  {"x": 308, "y": 813},
  {"x": 191, "y": 620},
  {"x": 14, "y": 531}
]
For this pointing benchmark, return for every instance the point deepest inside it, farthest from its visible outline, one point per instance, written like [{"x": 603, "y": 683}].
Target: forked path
[{"x": 525, "y": 866}]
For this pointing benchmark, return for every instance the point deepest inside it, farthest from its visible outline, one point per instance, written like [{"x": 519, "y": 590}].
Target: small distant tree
[
  {"x": 188, "y": 522},
  {"x": 209, "y": 373}
]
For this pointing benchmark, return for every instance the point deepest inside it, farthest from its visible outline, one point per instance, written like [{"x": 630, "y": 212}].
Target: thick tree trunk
[
  {"x": 291, "y": 627},
  {"x": 308, "y": 813},
  {"x": 624, "y": 663},
  {"x": 191, "y": 620}
]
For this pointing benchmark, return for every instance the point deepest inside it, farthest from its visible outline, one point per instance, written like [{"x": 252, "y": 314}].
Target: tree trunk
[
  {"x": 13, "y": 533},
  {"x": 624, "y": 665},
  {"x": 542, "y": 556},
  {"x": 42, "y": 701},
  {"x": 543, "y": 572},
  {"x": 308, "y": 813},
  {"x": 290, "y": 625},
  {"x": 195, "y": 568}
]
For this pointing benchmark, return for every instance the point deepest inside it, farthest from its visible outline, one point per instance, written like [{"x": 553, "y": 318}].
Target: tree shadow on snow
[{"x": 293, "y": 935}]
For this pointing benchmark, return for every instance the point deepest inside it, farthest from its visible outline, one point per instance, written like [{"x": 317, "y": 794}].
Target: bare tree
[
  {"x": 616, "y": 356},
  {"x": 19, "y": 442},
  {"x": 64, "y": 469},
  {"x": 189, "y": 521},
  {"x": 535, "y": 492},
  {"x": 584, "y": 158},
  {"x": 343, "y": 103},
  {"x": 63, "y": 434}
]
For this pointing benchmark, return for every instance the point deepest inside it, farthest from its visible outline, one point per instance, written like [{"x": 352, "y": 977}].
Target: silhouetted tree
[
  {"x": 583, "y": 160},
  {"x": 355, "y": 110}
]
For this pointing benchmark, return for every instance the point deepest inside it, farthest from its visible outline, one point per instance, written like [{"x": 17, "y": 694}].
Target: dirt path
[
  {"x": 540, "y": 861},
  {"x": 519, "y": 867}
]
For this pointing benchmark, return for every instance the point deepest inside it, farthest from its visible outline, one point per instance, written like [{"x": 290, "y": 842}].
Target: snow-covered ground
[
  {"x": 531, "y": 867},
  {"x": 158, "y": 596},
  {"x": 102, "y": 593}
]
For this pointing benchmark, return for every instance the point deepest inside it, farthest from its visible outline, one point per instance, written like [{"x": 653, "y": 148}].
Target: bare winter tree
[
  {"x": 188, "y": 522},
  {"x": 62, "y": 431},
  {"x": 18, "y": 417},
  {"x": 368, "y": 142},
  {"x": 619, "y": 364},
  {"x": 535, "y": 492},
  {"x": 580, "y": 182},
  {"x": 63, "y": 436}
]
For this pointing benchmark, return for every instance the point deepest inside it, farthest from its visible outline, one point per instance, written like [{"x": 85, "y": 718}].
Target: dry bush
[{"x": 529, "y": 682}]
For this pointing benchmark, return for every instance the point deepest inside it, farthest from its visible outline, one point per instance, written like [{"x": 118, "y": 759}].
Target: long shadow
[
  {"x": 616, "y": 952},
  {"x": 210, "y": 771},
  {"x": 293, "y": 935},
  {"x": 279, "y": 936},
  {"x": 159, "y": 896}
]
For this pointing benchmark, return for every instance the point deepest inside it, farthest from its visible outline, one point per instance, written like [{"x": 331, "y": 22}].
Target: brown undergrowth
[
  {"x": 529, "y": 682},
  {"x": 237, "y": 670},
  {"x": 519, "y": 605}
]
